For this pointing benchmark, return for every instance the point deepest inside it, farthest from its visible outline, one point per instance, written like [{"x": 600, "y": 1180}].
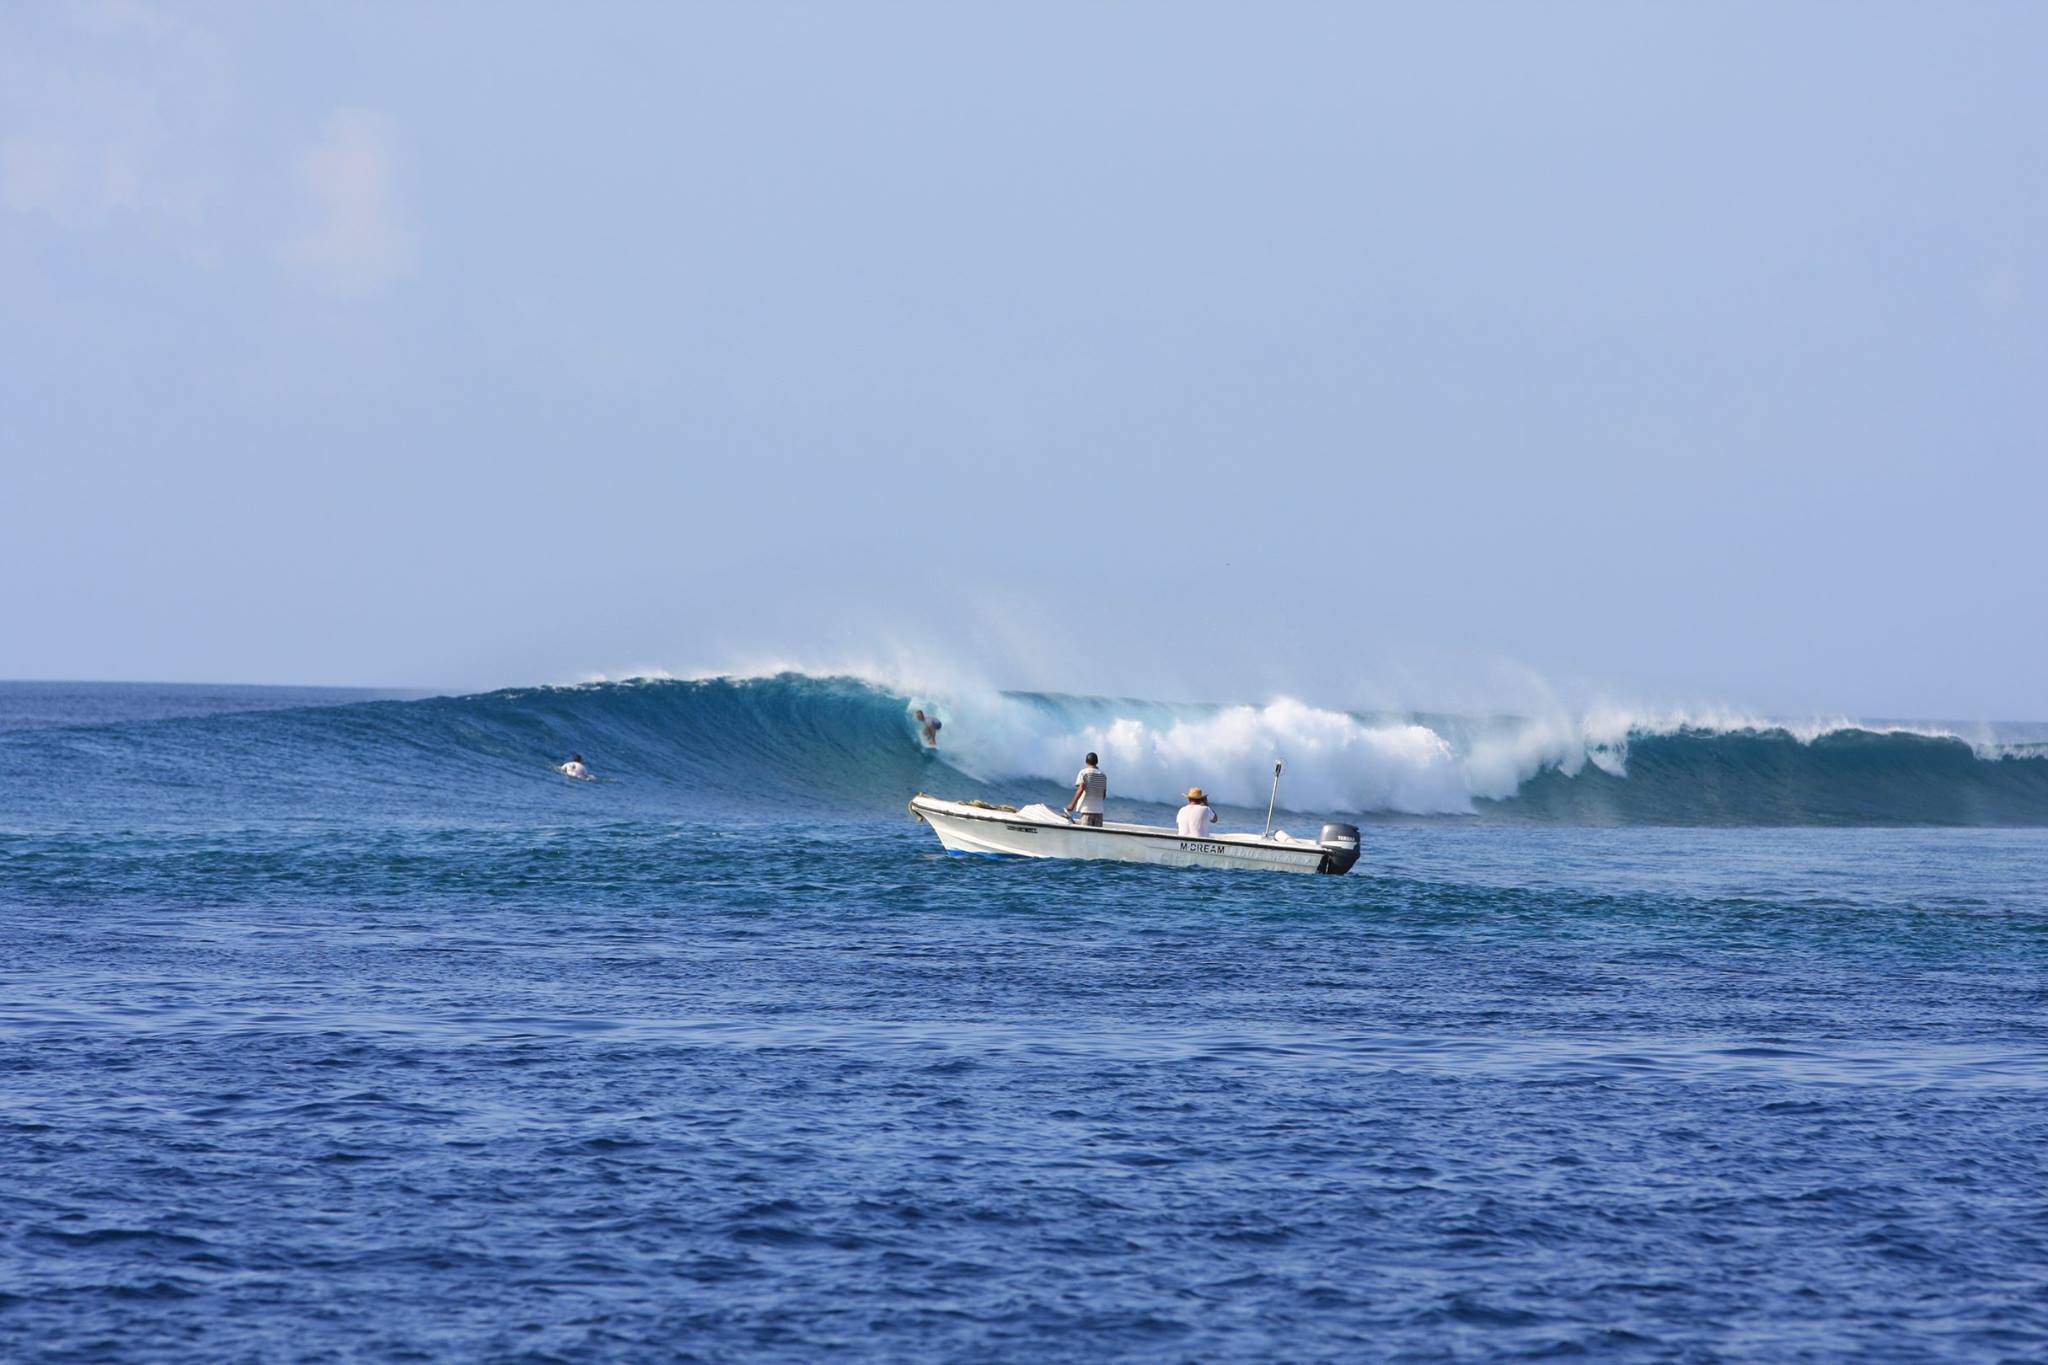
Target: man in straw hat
[{"x": 1196, "y": 817}]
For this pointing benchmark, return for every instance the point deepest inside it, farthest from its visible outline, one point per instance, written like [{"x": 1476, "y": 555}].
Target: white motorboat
[{"x": 1042, "y": 832}]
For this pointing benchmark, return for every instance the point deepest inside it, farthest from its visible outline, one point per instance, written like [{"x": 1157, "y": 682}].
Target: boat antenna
[{"x": 1271, "y": 799}]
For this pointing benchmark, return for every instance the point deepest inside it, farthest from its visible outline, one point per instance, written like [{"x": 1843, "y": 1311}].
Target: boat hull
[{"x": 970, "y": 829}]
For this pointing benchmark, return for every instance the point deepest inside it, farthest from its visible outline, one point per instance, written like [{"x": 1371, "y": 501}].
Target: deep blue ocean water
[{"x": 335, "y": 1029}]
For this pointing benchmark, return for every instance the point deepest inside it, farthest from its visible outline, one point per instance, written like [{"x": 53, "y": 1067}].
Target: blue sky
[{"x": 1403, "y": 353}]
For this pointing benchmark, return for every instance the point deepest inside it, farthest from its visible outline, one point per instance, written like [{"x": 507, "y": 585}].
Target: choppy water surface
[{"x": 604, "y": 1070}]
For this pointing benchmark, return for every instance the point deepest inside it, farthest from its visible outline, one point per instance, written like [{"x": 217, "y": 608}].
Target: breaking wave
[
  {"x": 1604, "y": 767},
  {"x": 794, "y": 741}
]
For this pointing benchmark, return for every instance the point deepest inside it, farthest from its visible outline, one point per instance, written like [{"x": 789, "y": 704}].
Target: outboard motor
[{"x": 1340, "y": 848}]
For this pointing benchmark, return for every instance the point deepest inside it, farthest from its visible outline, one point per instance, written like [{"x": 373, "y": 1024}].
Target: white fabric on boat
[{"x": 1038, "y": 813}]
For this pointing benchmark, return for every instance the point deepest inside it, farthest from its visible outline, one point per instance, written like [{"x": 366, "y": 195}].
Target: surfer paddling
[{"x": 574, "y": 768}]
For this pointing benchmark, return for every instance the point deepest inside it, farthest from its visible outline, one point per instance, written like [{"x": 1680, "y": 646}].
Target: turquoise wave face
[
  {"x": 824, "y": 746},
  {"x": 1770, "y": 777},
  {"x": 748, "y": 747}
]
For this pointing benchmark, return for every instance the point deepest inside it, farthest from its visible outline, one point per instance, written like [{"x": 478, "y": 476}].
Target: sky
[{"x": 1371, "y": 354}]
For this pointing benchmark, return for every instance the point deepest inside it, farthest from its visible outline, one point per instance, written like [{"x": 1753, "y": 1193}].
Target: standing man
[{"x": 1091, "y": 793}]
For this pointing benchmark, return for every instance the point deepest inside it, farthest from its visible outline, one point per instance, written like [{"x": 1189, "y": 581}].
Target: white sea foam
[
  {"x": 1155, "y": 752},
  {"x": 1336, "y": 761}
]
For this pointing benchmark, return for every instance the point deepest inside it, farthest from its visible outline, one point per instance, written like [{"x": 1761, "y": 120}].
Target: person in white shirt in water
[
  {"x": 1196, "y": 816},
  {"x": 1091, "y": 793},
  {"x": 574, "y": 768}
]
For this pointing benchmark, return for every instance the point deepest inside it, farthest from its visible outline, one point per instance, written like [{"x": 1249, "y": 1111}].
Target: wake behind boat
[{"x": 1041, "y": 832}]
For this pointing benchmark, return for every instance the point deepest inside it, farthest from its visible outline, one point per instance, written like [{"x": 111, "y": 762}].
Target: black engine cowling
[{"x": 1340, "y": 848}]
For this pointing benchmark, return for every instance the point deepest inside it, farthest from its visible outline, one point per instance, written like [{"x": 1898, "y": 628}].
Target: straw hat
[{"x": 1197, "y": 794}]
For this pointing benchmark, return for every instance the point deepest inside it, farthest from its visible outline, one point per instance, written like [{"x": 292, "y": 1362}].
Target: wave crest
[{"x": 798, "y": 743}]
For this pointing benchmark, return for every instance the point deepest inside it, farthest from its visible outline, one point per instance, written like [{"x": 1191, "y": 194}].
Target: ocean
[{"x": 338, "y": 1026}]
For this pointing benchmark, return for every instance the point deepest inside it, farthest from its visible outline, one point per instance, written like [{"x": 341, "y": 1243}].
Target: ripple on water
[{"x": 409, "y": 1108}]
